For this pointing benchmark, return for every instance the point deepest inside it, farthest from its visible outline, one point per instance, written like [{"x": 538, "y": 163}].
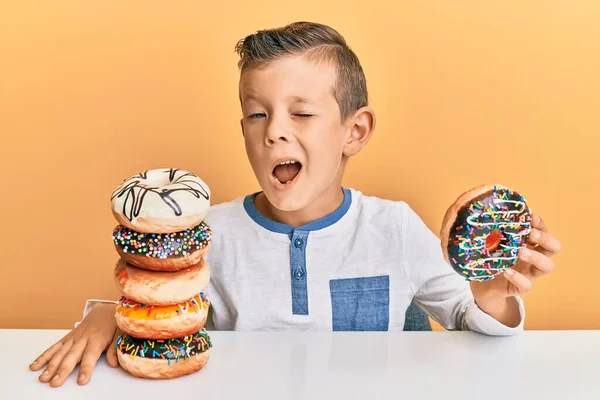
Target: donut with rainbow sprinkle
[
  {"x": 164, "y": 359},
  {"x": 483, "y": 231}
]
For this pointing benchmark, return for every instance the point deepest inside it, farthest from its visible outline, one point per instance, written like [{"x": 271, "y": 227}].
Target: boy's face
[{"x": 290, "y": 116}]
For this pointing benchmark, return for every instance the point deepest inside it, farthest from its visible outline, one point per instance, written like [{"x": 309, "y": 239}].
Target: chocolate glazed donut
[
  {"x": 483, "y": 231},
  {"x": 164, "y": 359},
  {"x": 163, "y": 251}
]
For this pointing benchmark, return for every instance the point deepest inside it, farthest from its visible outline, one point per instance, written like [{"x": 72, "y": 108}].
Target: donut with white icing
[
  {"x": 162, "y": 322},
  {"x": 483, "y": 231},
  {"x": 164, "y": 359},
  {"x": 160, "y": 288},
  {"x": 161, "y": 200},
  {"x": 163, "y": 251}
]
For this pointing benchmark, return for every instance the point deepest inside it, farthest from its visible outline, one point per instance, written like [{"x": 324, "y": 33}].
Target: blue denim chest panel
[
  {"x": 298, "y": 272},
  {"x": 360, "y": 304}
]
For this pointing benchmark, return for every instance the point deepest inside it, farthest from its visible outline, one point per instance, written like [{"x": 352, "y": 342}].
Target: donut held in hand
[
  {"x": 162, "y": 200},
  {"x": 162, "y": 322},
  {"x": 164, "y": 359},
  {"x": 483, "y": 231},
  {"x": 159, "y": 288},
  {"x": 163, "y": 251}
]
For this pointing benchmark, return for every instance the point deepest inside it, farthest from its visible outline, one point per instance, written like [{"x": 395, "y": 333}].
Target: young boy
[{"x": 306, "y": 253}]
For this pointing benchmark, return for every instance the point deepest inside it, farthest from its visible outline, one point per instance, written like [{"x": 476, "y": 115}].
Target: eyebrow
[
  {"x": 298, "y": 99},
  {"x": 292, "y": 99},
  {"x": 246, "y": 97}
]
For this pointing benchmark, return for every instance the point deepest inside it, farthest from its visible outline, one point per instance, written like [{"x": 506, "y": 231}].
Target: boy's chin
[
  {"x": 286, "y": 201},
  {"x": 290, "y": 200}
]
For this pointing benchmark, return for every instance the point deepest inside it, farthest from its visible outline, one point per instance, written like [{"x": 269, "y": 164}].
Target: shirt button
[
  {"x": 299, "y": 274},
  {"x": 298, "y": 242}
]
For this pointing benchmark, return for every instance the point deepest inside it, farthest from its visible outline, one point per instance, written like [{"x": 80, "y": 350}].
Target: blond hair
[{"x": 316, "y": 41}]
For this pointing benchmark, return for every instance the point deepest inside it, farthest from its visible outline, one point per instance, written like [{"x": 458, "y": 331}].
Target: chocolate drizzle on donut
[
  {"x": 172, "y": 172},
  {"x": 135, "y": 190},
  {"x": 167, "y": 349},
  {"x": 474, "y": 250},
  {"x": 163, "y": 245}
]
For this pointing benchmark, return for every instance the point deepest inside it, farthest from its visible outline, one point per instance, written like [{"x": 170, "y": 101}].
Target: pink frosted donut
[{"x": 162, "y": 200}]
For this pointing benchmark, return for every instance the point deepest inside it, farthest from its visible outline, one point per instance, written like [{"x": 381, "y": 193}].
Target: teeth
[{"x": 287, "y": 162}]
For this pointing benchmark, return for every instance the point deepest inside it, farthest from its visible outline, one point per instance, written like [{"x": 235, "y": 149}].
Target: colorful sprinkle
[
  {"x": 162, "y": 246},
  {"x": 131, "y": 309},
  {"x": 171, "y": 349},
  {"x": 499, "y": 209}
]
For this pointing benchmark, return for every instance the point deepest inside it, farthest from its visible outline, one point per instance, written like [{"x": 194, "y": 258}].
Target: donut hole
[{"x": 492, "y": 241}]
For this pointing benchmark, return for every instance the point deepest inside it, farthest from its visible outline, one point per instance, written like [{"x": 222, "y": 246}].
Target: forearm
[
  {"x": 504, "y": 310},
  {"x": 446, "y": 296},
  {"x": 91, "y": 305}
]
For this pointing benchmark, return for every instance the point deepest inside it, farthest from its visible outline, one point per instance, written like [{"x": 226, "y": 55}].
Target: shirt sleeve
[
  {"x": 438, "y": 290},
  {"x": 90, "y": 305}
]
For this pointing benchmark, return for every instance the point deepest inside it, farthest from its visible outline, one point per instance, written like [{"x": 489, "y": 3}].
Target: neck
[{"x": 325, "y": 204}]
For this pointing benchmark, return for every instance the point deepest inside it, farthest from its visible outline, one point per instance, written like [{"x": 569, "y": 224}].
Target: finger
[
  {"x": 90, "y": 357},
  {"x": 43, "y": 359},
  {"x": 111, "y": 353},
  {"x": 538, "y": 222},
  {"x": 68, "y": 363},
  {"x": 55, "y": 361},
  {"x": 545, "y": 240},
  {"x": 540, "y": 263},
  {"x": 521, "y": 284}
]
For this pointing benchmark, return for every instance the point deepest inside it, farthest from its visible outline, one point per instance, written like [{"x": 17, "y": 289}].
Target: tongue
[{"x": 286, "y": 172}]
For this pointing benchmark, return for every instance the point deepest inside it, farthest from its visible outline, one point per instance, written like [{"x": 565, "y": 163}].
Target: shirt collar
[{"x": 279, "y": 227}]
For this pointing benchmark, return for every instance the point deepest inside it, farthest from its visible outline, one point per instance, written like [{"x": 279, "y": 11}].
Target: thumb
[{"x": 111, "y": 353}]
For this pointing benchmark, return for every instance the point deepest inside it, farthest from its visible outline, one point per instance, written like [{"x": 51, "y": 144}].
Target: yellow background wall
[{"x": 465, "y": 93}]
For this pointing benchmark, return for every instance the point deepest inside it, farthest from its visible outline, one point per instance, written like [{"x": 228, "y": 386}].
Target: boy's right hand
[{"x": 97, "y": 332}]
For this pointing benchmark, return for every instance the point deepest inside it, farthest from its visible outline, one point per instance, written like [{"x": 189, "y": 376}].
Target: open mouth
[{"x": 286, "y": 171}]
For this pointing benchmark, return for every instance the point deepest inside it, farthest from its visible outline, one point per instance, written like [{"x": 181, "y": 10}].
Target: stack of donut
[{"x": 162, "y": 274}]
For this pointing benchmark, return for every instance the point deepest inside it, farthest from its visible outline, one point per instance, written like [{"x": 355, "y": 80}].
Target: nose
[
  {"x": 277, "y": 132},
  {"x": 280, "y": 139}
]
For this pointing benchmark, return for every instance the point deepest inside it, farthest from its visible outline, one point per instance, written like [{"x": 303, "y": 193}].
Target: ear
[{"x": 360, "y": 128}]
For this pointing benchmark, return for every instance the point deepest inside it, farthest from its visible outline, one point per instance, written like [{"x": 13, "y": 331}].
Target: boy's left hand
[{"x": 495, "y": 296}]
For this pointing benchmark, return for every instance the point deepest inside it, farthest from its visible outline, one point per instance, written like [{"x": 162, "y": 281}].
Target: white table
[{"x": 275, "y": 365}]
